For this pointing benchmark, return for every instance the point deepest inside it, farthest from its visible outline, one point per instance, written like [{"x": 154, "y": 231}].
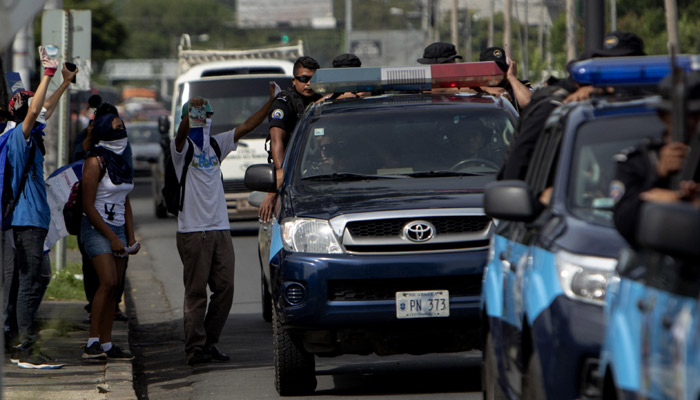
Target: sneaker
[
  {"x": 116, "y": 353},
  {"x": 38, "y": 361},
  {"x": 94, "y": 352},
  {"x": 119, "y": 316},
  {"x": 198, "y": 357},
  {"x": 216, "y": 354}
]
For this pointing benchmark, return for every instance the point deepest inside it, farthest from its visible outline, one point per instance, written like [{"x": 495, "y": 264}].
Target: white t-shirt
[
  {"x": 110, "y": 200},
  {"x": 204, "y": 207}
]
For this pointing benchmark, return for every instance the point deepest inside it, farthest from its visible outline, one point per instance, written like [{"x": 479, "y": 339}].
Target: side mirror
[
  {"x": 163, "y": 124},
  {"x": 509, "y": 200},
  {"x": 671, "y": 229},
  {"x": 261, "y": 178}
]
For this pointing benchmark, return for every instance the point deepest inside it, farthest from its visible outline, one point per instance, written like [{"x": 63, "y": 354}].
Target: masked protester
[
  {"x": 203, "y": 231},
  {"x": 107, "y": 229}
]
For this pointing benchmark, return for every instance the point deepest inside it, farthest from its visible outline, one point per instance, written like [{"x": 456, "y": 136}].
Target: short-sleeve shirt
[
  {"x": 204, "y": 207},
  {"x": 282, "y": 113},
  {"x": 32, "y": 207}
]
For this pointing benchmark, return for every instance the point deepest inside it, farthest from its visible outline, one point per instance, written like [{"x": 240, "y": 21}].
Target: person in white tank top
[{"x": 107, "y": 230}]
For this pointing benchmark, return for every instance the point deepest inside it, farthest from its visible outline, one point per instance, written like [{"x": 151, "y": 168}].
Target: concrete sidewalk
[{"x": 77, "y": 379}]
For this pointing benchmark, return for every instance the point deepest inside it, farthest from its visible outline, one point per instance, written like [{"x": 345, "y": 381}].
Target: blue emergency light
[
  {"x": 620, "y": 71},
  {"x": 406, "y": 78}
]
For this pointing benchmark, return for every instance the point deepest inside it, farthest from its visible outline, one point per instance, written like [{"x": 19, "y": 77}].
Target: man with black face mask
[{"x": 31, "y": 214}]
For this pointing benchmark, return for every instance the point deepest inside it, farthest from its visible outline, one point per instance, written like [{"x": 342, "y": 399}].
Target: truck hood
[{"x": 327, "y": 200}]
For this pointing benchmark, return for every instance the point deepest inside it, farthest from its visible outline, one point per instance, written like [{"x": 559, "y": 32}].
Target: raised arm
[
  {"x": 257, "y": 118},
  {"x": 34, "y": 110},
  {"x": 52, "y": 102}
]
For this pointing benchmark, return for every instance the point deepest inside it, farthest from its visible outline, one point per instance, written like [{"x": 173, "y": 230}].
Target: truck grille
[
  {"x": 235, "y": 186},
  {"x": 443, "y": 225},
  {"x": 385, "y": 289}
]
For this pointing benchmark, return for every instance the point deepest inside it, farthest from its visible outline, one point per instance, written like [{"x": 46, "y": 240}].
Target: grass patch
[
  {"x": 71, "y": 242},
  {"x": 65, "y": 285}
]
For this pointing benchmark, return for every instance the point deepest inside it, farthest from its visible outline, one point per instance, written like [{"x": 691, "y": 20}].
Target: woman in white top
[{"x": 107, "y": 230}]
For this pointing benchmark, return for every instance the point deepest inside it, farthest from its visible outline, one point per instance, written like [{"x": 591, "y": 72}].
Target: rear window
[
  {"x": 233, "y": 101},
  {"x": 406, "y": 141},
  {"x": 593, "y": 167}
]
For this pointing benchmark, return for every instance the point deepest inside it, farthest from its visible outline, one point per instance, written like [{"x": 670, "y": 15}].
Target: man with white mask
[{"x": 203, "y": 234}]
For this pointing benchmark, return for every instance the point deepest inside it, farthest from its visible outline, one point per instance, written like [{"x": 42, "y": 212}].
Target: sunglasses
[{"x": 303, "y": 78}]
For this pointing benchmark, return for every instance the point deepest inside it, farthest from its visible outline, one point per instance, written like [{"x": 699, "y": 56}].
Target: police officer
[
  {"x": 644, "y": 172},
  {"x": 520, "y": 91},
  {"x": 286, "y": 110},
  {"x": 439, "y": 53}
]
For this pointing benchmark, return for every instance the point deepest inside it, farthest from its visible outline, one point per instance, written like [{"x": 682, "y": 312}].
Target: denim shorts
[{"x": 95, "y": 243}]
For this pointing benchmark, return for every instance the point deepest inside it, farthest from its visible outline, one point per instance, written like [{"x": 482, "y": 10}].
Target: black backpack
[
  {"x": 174, "y": 190},
  {"x": 73, "y": 209},
  {"x": 9, "y": 201}
]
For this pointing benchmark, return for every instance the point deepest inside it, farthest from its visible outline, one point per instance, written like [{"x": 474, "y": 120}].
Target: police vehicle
[
  {"x": 379, "y": 241},
  {"x": 651, "y": 347},
  {"x": 549, "y": 264}
]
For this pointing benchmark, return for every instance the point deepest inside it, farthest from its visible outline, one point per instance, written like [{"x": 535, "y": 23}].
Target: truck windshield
[
  {"x": 593, "y": 165},
  {"x": 415, "y": 142},
  {"x": 233, "y": 100}
]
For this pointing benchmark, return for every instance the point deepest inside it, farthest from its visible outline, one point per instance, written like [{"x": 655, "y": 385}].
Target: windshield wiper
[
  {"x": 342, "y": 176},
  {"x": 424, "y": 174}
]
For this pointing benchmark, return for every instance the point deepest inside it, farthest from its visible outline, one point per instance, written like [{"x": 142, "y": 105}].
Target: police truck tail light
[
  {"x": 309, "y": 235},
  {"x": 407, "y": 78},
  {"x": 620, "y": 71},
  {"x": 584, "y": 277}
]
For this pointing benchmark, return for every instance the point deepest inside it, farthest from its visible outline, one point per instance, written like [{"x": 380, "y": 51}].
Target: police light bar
[
  {"x": 406, "y": 78},
  {"x": 620, "y": 71}
]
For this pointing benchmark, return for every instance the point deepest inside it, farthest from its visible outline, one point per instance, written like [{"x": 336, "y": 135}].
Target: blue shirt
[{"x": 32, "y": 208}]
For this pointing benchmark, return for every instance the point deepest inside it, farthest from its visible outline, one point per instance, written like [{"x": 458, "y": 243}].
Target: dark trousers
[
  {"x": 9, "y": 286},
  {"x": 207, "y": 259},
  {"x": 34, "y": 274}
]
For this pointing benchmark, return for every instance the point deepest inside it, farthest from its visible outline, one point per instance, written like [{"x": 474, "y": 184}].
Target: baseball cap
[
  {"x": 620, "y": 44},
  {"x": 438, "y": 53},
  {"x": 186, "y": 109},
  {"x": 496, "y": 54},
  {"x": 346, "y": 60},
  {"x": 692, "y": 85}
]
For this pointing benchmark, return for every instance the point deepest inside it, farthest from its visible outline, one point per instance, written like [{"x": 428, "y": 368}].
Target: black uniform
[
  {"x": 636, "y": 173},
  {"x": 530, "y": 125},
  {"x": 287, "y": 109}
]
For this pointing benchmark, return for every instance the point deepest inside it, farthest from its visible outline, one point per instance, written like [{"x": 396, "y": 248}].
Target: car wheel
[
  {"x": 161, "y": 210},
  {"x": 295, "y": 368},
  {"x": 266, "y": 299},
  {"x": 489, "y": 371},
  {"x": 533, "y": 381}
]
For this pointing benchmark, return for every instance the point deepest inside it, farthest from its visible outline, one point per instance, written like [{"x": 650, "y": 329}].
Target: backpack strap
[
  {"x": 215, "y": 145},
  {"x": 188, "y": 159},
  {"x": 23, "y": 181}
]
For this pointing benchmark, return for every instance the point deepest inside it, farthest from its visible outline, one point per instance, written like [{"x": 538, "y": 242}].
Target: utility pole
[
  {"x": 570, "y": 31},
  {"x": 540, "y": 31},
  {"x": 594, "y": 22},
  {"x": 348, "y": 24},
  {"x": 492, "y": 8},
  {"x": 468, "y": 36},
  {"x": 526, "y": 44},
  {"x": 613, "y": 15},
  {"x": 453, "y": 24},
  {"x": 507, "y": 26},
  {"x": 672, "y": 25}
]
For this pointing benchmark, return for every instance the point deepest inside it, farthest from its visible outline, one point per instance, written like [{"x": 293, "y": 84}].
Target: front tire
[
  {"x": 489, "y": 369},
  {"x": 295, "y": 368}
]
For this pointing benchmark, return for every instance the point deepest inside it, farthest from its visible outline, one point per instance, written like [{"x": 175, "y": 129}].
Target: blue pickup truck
[{"x": 379, "y": 240}]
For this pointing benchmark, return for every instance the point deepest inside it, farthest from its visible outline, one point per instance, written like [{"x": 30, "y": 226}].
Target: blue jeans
[{"x": 34, "y": 270}]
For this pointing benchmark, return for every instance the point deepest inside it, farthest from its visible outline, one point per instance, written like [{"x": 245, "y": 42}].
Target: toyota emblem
[{"x": 419, "y": 231}]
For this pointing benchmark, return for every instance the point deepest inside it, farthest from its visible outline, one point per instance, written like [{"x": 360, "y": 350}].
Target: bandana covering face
[
  {"x": 111, "y": 145},
  {"x": 197, "y": 136}
]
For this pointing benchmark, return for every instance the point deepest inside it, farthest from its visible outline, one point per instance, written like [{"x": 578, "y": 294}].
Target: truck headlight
[
  {"x": 585, "y": 277},
  {"x": 309, "y": 235}
]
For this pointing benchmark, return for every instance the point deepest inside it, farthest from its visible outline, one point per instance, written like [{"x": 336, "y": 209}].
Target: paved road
[{"x": 156, "y": 294}]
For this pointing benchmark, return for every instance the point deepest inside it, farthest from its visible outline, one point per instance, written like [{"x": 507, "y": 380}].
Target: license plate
[{"x": 423, "y": 304}]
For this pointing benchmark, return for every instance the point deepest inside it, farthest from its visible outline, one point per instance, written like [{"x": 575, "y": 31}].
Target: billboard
[{"x": 275, "y": 13}]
